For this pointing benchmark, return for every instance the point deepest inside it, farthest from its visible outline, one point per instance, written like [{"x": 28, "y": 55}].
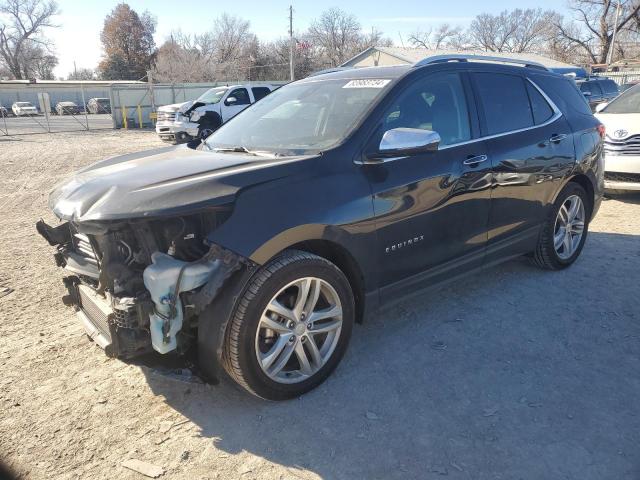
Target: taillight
[{"x": 601, "y": 130}]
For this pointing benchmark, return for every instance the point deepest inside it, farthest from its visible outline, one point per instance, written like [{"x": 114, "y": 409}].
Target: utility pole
[
  {"x": 75, "y": 71},
  {"x": 291, "y": 43},
  {"x": 612, "y": 47}
]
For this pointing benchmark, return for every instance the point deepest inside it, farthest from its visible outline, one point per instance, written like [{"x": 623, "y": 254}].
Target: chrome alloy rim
[
  {"x": 569, "y": 227},
  {"x": 298, "y": 330}
]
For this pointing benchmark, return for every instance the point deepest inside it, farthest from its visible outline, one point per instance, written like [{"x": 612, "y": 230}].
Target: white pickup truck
[{"x": 182, "y": 122}]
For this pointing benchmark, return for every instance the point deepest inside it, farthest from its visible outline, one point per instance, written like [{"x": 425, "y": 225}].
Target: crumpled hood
[
  {"x": 165, "y": 181},
  {"x": 176, "y": 107}
]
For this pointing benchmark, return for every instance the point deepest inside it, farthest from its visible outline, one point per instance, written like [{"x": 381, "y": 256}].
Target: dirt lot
[{"x": 512, "y": 374}]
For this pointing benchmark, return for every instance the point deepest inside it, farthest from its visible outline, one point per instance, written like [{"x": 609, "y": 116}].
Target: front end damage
[{"x": 139, "y": 286}]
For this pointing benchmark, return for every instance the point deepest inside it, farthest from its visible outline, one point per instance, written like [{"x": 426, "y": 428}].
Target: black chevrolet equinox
[{"x": 260, "y": 247}]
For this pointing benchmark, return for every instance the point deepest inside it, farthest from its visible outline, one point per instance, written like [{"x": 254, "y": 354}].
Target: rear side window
[
  {"x": 591, "y": 87},
  {"x": 563, "y": 92},
  {"x": 505, "y": 102},
  {"x": 260, "y": 92},
  {"x": 540, "y": 108},
  {"x": 609, "y": 87}
]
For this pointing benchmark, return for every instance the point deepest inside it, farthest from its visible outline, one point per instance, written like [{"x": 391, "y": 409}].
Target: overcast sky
[{"x": 78, "y": 38}]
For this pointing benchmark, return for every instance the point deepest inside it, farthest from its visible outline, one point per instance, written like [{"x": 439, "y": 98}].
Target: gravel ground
[{"x": 514, "y": 373}]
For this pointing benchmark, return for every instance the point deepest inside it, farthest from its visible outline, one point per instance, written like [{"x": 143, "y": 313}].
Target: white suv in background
[
  {"x": 181, "y": 122},
  {"x": 621, "y": 118}
]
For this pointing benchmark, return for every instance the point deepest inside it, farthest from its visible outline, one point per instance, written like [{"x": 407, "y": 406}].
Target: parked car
[
  {"x": 67, "y": 108},
  {"x": 598, "y": 90},
  {"x": 621, "y": 118},
  {"x": 21, "y": 109},
  {"x": 99, "y": 105},
  {"x": 261, "y": 246},
  {"x": 198, "y": 119}
]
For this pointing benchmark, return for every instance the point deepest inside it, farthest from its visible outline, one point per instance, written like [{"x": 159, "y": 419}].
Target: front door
[
  {"x": 431, "y": 208},
  {"x": 237, "y": 100}
]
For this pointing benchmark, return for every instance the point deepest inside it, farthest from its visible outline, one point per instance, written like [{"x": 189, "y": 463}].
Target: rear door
[
  {"x": 236, "y": 100},
  {"x": 431, "y": 208},
  {"x": 531, "y": 150}
]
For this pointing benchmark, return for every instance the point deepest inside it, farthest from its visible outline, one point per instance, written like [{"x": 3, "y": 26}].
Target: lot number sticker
[{"x": 366, "y": 83}]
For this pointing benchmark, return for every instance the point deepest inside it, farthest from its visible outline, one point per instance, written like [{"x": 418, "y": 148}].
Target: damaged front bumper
[
  {"x": 161, "y": 316},
  {"x": 175, "y": 131}
]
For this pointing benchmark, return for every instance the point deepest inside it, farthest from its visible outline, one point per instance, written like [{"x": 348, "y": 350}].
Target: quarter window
[
  {"x": 436, "y": 103},
  {"x": 505, "y": 102},
  {"x": 540, "y": 108}
]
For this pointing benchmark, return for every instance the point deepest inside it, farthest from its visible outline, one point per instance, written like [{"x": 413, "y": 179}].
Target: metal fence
[
  {"x": 47, "y": 109},
  {"x": 621, "y": 77},
  {"x": 134, "y": 106}
]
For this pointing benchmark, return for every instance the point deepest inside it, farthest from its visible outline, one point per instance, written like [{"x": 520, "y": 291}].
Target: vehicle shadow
[
  {"x": 627, "y": 197},
  {"x": 509, "y": 373}
]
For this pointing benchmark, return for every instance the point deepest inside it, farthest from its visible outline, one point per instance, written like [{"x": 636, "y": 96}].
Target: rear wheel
[
  {"x": 565, "y": 230},
  {"x": 290, "y": 328}
]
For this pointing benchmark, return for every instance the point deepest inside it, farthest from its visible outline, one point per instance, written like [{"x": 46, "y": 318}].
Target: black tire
[
  {"x": 239, "y": 351},
  {"x": 545, "y": 255}
]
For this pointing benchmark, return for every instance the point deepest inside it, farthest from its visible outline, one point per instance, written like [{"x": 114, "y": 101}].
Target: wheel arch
[
  {"x": 585, "y": 182},
  {"x": 344, "y": 260}
]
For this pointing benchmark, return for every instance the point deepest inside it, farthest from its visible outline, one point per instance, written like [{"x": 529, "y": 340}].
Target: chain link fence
[{"x": 32, "y": 109}]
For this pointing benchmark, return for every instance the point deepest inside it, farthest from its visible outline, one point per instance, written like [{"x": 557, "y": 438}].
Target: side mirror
[
  {"x": 231, "y": 100},
  {"x": 400, "y": 142},
  {"x": 601, "y": 106},
  {"x": 586, "y": 94}
]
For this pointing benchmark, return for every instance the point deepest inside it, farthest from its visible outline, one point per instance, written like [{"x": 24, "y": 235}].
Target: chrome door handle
[
  {"x": 557, "y": 138},
  {"x": 475, "y": 160}
]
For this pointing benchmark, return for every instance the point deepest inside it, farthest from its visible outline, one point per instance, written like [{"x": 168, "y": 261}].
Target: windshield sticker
[{"x": 367, "y": 83}]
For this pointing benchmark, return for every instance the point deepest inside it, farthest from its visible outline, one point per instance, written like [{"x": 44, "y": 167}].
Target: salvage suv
[
  {"x": 337, "y": 194},
  {"x": 181, "y": 122}
]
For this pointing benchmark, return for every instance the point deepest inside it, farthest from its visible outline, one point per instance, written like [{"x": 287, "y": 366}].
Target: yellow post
[
  {"x": 124, "y": 117},
  {"x": 139, "y": 116}
]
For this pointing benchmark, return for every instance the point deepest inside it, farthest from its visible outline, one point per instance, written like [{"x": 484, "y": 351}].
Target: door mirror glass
[
  {"x": 601, "y": 106},
  {"x": 407, "y": 141}
]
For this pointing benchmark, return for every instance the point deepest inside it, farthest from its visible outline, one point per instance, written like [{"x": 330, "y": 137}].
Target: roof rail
[
  {"x": 329, "y": 70},
  {"x": 457, "y": 57}
]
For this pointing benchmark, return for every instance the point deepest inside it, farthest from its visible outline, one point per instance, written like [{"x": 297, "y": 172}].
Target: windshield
[
  {"x": 627, "y": 102},
  {"x": 102, "y": 101},
  {"x": 23, "y": 104},
  {"x": 212, "y": 96},
  {"x": 300, "y": 118}
]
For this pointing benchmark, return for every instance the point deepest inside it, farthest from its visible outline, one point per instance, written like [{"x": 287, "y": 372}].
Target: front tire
[
  {"x": 565, "y": 230},
  {"x": 291, "y": 327}
]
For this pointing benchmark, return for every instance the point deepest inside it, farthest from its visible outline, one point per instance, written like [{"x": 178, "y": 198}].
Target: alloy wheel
[
  {"x": 298, "y": 330},
  {"x": 569, "y": 227}
]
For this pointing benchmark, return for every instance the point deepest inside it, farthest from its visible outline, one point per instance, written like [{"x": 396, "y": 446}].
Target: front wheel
[
  {"x": 290, "y": 328},
  {"x": 565, "y": 230}
]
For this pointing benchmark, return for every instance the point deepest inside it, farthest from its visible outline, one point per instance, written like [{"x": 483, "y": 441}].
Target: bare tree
[
  {"x": 337, "y": 34},
  {"x": 592, "y": 31},
  {"x": 513, "y": 31},
  {"x": 22, "y": 25},
  {"x": 442, "y": 37}
]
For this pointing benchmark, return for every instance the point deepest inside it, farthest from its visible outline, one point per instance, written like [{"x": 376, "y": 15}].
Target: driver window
[
  {"x": 241, "y": 95},
  {"x": 436, "y": 103}
]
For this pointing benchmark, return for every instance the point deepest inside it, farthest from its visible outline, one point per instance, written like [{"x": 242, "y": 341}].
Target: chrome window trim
[{"x": 556, "y": 115}]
